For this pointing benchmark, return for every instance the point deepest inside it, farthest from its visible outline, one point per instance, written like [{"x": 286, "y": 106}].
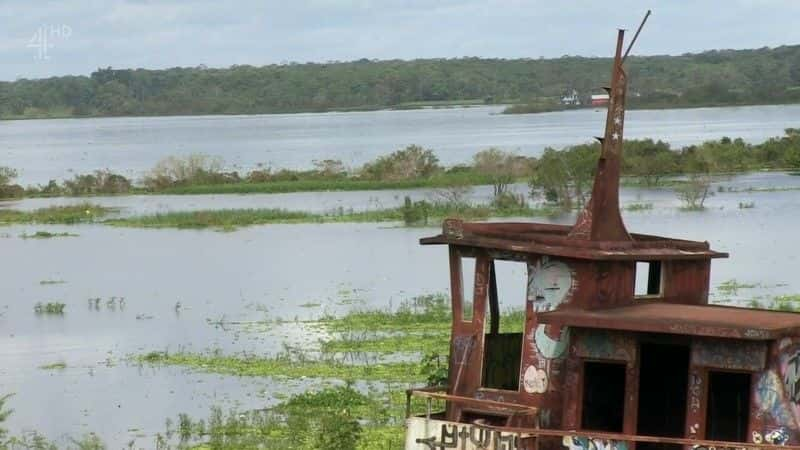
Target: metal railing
[
  {"x": 513, "y": 409},
  {"x": 490, "y": 406}
]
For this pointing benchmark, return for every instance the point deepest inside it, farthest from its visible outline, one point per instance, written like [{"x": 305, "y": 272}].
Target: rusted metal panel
[
  {"x": 689, "y": 320},
  {"x": 750, "y": 356},
  {"x": 553, "y": 242},
  {"x": 696, "y": 403},
  {"x": 604, "y": 345},
  {"x": 685, "y": 282}
]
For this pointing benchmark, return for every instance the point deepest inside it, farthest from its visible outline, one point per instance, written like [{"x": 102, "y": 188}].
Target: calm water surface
[
  {"x": 277, "y": 271},
  {"x": 262, "y": 273},
  {"x": 55, "y": 149}
]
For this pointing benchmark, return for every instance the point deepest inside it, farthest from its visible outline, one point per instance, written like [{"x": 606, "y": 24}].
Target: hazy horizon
[{"x": 75, "y": 38}]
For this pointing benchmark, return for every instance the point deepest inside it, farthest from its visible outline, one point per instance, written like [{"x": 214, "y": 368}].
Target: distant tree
[
  {"x": 99, "y": 182},
  {"x": 330, "y": 168},
  {"x": 498, "y": 165},
  {"x": 406, "y": 164},
  {"x": 4, "y": 414},
  {"x": 455, "y": 195},
  {"x": 564, "y": 177},
  {"x": 7, "y": 175},
  {"x": 187, "y": 170},
  {"x": 7, "y": 189},
  {"x": 649, "y": 160}
]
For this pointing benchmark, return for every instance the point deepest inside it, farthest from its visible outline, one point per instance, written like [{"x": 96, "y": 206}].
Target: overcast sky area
[{"x": 45, "y": 38}]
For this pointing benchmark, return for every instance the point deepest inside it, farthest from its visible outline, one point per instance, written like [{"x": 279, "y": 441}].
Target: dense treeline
[
  {"x": 565, "y": 176},
  {"x": 711, "y": 78},
  {"x": 558, "y": 175}
]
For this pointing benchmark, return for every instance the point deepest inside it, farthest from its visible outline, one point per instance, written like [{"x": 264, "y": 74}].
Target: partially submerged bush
[
  {"x": 694, "y": 192},
  {"x": 406, "y": 164},
  {"x": 502, "y": 168},
  {"x": 435, "y": 369},
  {"x": 188, "y": 170},
  {"x": 4, "y": 413},
  {"x": 564, "y": 177},
  {"x": 55, "y": 308},
  {"x": 415, "y": 213},
  {"x": 99, "y": 182},
  {"x": 509, "y": 201},
  {"x": 7, "y": 189}
]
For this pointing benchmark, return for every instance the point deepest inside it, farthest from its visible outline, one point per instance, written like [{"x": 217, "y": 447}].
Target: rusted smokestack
[{"x": 601, "y": 219}]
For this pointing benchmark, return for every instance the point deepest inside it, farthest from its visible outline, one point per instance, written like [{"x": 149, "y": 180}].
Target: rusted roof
[
  {"x": 547, "y": 239},
  {"x": 695, "y": 320}
]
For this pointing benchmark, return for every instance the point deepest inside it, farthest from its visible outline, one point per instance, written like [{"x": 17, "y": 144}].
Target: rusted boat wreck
[{"x": 599, "y": 363}]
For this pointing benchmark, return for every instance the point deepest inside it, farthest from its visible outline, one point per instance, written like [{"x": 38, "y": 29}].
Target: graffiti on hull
[
  {"x": 427, "y": 434},
  {"x": 588, "y": 443}
]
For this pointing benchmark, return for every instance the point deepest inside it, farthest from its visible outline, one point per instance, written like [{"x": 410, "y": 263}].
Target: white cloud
[{"x": 157, "y": 34}]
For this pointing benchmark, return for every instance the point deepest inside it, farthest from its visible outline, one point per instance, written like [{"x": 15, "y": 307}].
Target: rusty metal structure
[{"x": 619, "y": 347}]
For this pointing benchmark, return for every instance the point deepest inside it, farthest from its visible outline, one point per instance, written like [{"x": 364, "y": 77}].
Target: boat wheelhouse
[{"x": 619, "y": 347}]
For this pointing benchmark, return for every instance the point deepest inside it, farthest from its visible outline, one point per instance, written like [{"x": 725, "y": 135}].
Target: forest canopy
[{"x": 718, "y": 77}]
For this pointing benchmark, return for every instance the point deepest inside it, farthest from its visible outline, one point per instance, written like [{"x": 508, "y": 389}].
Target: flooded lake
[
  {"x": 54, "y": 149},
  {"x": 264, "y": 273},
  {"x": 198, "y": 290}
]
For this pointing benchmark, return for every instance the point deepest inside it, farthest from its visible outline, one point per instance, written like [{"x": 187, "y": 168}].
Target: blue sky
[{"x": 46, "y": 37}]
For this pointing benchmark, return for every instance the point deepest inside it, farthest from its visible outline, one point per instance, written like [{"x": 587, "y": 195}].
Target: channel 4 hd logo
[{"x": 45, "y": 37}]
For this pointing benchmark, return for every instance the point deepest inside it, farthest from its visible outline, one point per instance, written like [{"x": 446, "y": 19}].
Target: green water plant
[
  {"x": 633, "y": 207},
  {"x": 46, "y": 235},
  {"x": 71, "y": 214},
  {"x": 284, "y": 366},
  {"x": 54, "y": 308},
  {"x": 60, "y": 365}
]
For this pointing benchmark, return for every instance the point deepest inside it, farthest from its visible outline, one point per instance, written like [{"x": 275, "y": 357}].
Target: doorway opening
[
  {"x": 728, "y": 407},
  {"x": 502, "y": 351},
  {"x": 603, "y": 396},
  {"x": 663, "y": 387}
]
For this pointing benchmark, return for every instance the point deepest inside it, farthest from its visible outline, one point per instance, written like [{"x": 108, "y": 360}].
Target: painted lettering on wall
[
  {"x": 466, "y": 437},
  {"x": 695, "y": 391}
]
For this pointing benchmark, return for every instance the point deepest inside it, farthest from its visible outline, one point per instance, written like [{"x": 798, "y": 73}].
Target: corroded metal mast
[{"x": 601, "y": 219}]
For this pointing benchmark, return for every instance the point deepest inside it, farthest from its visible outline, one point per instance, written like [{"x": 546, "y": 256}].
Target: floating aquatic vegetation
[
  {"x": 46, "y": 235},
  {"x": 54, "y": 308}
]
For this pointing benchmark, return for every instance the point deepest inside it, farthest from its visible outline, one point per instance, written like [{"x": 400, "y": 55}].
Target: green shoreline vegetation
[
  {"x": 63, "y": 215},
  {"x": 715, "y": 77},
  {"x": 415, "y": 213},
  {"x": 560, "y": 176},
  {"x": 559, "y": 180}
]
